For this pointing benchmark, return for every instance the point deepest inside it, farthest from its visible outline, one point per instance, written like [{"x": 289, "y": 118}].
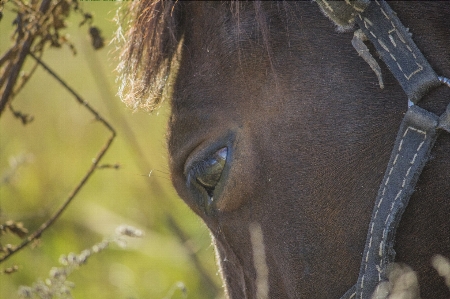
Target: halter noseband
[{"x": 415, "y": 139}]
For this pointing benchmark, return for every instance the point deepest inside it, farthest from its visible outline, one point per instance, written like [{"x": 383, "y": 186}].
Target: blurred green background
[{"x": 55, "y": 151}]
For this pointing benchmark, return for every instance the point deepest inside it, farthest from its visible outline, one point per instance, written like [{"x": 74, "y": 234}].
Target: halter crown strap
[
  {"x": 343, "y": 13},
  {"x": 391, "y": 39},
  {"x": 416, "y": 136}
]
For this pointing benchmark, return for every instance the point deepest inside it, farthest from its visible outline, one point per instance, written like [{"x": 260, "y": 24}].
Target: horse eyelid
[
  {"x": 195, "y": 170},
  {"x": 200, "y": 167}
]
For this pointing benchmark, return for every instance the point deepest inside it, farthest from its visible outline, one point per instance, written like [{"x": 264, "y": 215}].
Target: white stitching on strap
[
  {"x": 381, "y": 247},
  {"x": 368, "y": 23}
]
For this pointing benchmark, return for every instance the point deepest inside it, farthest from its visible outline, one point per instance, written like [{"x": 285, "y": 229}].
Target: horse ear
[{"x": 342, "y": 13}]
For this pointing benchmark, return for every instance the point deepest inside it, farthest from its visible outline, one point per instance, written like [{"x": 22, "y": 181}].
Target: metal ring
[{"x": 442, "y": 79}]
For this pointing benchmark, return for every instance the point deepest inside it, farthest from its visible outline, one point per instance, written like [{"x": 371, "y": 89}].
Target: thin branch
[
  {"x": 25, "y": 78},
  {"x": 5, "y": 72},
  {"x": 210, "y": 285},
  {"x": 144, "y": 164},
  {"x": 24, "y": 51},
  {"x": 77, "y": 97},
  {"x": 24, "y": 117},
  {"x": 35, "y": 235},
  {"x": 8, "y": 55}
]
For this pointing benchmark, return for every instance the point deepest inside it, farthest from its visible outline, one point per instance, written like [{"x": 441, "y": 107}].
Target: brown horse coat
[{"x": 308, "y": 134}]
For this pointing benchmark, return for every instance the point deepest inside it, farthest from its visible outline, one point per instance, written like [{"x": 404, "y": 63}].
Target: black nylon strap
[
  {"x": 444, "y": 120},
  {"x": 414, "y": 142},
  {"x": 391, "y": 39},
  {"x": 418, "y": 132},
  {"x": 415, "y": 139},
  {"x": 416, "y": 136}
]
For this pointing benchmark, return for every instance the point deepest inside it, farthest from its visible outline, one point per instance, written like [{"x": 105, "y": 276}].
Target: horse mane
[{"x": 150, "y": 44}]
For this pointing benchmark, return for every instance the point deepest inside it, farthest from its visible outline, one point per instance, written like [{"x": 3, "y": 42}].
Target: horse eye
[{"x": 209, "y": 171}]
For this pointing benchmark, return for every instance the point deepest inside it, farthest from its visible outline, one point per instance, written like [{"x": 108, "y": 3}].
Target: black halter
[{"x": 416, "y": 136}]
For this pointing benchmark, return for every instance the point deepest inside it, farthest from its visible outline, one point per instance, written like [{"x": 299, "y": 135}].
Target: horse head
[{"x": 280, "y": 134}]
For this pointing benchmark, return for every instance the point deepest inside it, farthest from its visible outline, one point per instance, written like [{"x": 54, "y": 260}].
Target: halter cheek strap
[{"x": 416, "y": 136}]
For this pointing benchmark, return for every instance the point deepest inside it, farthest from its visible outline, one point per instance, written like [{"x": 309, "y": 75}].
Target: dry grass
[{"x": 57, "y": 285}]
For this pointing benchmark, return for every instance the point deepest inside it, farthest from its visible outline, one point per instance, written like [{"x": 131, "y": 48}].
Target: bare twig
[
  {"x": 24, "y": 117},
  {"x": 210, "y": 285},
  {"x": 35, "y": 235},
  {"x": 4, "y": 73},
  {"x": 113, "y": 166},
  {"x": 24, "y": 51},
  {"x": 144, "y": 165},
  {"x": 25, "y": 78},
  {"x": 8, "y": 55},
  {"x": 77, "y": 97}
]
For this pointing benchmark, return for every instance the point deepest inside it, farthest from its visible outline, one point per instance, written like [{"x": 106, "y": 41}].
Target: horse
[{"x": 280, "y": 134}]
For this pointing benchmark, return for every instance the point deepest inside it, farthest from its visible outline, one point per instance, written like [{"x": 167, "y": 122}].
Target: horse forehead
[
  {"x": 212, "y": 29},
  {"x": 226, "y": 78},
  {"x": 227, "y": 82},
  {"x": 214, "y": 90}
]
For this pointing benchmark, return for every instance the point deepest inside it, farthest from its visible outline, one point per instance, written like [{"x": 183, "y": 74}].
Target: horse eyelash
[{"x": 198, "y": 168}]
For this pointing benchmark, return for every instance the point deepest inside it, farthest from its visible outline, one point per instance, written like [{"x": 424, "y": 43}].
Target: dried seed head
[
  {"x": 83, "y": 256},
  {"x": 72, "y": 258},
  {"x": 63, "y": 260},
  {"x": 25, "y": 292},
  {"x": 100, "y": 246},
  {"x": 130, "y": 231},
  {"x": 58, "y": 273}
]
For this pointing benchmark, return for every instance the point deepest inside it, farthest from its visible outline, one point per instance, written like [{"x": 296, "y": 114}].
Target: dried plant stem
[
  {"x": 8, "y": 55},
  {"x": 24, "y": 51},
  {"x": 25, "y": 79},
  {"x": 210, "y": 285},
  {"x": 144, "y": 164},
  {"x": 77, "y": 97},
  {"x": 35, "y": 235}
]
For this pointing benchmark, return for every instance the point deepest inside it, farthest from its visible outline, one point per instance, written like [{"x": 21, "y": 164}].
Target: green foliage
[{"x": 42, "y": 161}]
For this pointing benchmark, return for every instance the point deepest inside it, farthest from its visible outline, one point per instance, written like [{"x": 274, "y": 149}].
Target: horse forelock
[
  {"x": 152, "y": 39},
  {"x": 148, "y": 47}
]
